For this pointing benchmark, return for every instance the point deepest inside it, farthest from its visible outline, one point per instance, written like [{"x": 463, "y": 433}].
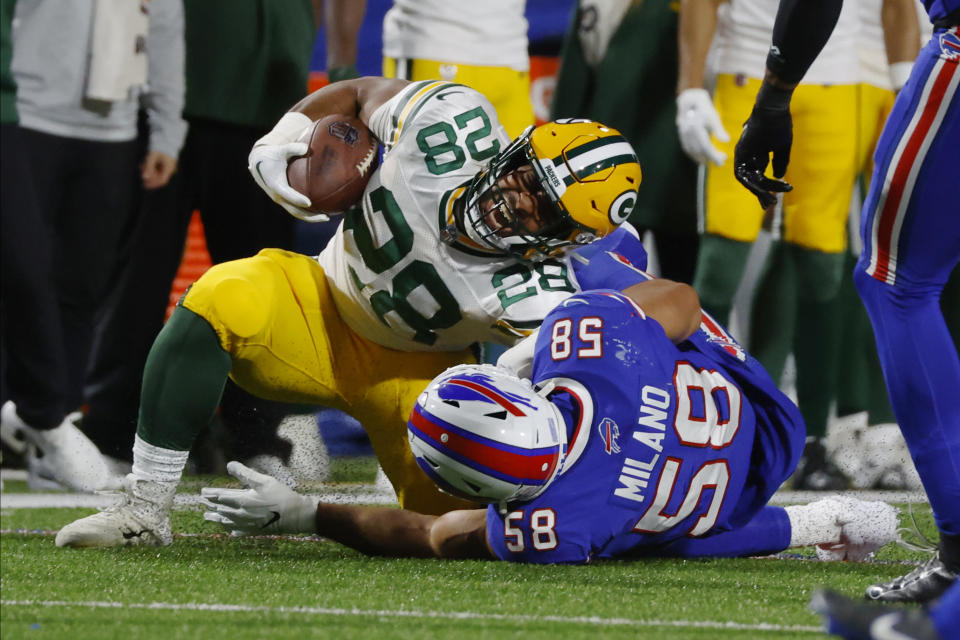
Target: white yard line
[
  {"x": 360, "y": 493},
  {"x": 403, "y": 613}
]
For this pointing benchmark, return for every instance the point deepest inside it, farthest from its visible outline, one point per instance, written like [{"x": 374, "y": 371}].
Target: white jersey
[
  {"x": 394, "y": 280},
  {"x": 744, "y": 37},
  {"x": 874, "y": 69},
  {"x": 491, "y": 33}
]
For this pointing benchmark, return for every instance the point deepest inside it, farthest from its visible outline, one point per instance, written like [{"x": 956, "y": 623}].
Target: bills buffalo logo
[
  {"x": 344, "y": 131},
  {"x": 610, "y": 434},
  {"x": 950, "y": 45}
]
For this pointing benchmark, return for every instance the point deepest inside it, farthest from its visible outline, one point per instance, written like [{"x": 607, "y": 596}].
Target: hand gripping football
[{"x": 341, "y": 156}]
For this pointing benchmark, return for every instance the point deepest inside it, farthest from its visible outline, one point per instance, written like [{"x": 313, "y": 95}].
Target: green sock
[
  {"x": 720, "y": 266},
  {"x": 773, "y": 313},
  {"x": 182, "y": 382},
  {"x": 817, "y": 335}
]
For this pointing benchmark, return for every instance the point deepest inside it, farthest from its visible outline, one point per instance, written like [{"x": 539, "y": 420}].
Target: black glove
[{"x": 769, "y": 129}]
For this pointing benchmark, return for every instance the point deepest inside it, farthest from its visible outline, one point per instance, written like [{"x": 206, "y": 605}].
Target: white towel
[
  {"x": 118, "y": 51},
  {"x": 599, "y": 20}
]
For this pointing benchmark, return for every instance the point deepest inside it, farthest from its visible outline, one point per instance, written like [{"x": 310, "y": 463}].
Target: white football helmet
[{"x": 484, "y": 434}]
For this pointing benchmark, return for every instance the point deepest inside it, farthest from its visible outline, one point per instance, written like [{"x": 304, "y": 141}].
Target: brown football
[{"x": 341, "y": 157}]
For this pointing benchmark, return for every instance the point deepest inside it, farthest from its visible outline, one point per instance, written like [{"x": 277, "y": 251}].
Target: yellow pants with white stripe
[{"x": 275, "y": 316}]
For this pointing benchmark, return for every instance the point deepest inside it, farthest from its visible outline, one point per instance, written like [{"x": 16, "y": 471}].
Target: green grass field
[{"x": 208, "y": 585}]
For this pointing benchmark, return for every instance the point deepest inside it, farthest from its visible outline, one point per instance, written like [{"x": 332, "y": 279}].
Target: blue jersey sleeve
[
  {"x": 616, "y": 261},
  {"x": 532, "y": 534},
  {"x": 766, "y": 533}
]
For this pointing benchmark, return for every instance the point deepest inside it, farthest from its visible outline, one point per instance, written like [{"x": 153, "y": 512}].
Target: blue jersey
[
  {"x": 665, "y": 440},
  {"x": 938, "y": 9}
]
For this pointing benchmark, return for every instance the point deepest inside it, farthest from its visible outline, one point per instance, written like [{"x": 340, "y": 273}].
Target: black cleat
[
  {"x": 854, "y": 620},
  {"x": 815, "y": 472},
  {"x": 925, "y": 583}
]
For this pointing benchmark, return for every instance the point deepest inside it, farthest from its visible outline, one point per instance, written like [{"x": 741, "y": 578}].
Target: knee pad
[
  {"x": 240, "y": 306},
  {"x": 233, "y": 297}
]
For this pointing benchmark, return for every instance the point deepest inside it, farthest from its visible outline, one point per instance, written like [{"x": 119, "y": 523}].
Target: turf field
[{"x": 207, "y": 585}]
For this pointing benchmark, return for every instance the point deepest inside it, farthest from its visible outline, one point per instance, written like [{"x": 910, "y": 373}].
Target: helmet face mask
[
  {"x": 564, "y": 183},
  {"x": 482, "y": 434}
]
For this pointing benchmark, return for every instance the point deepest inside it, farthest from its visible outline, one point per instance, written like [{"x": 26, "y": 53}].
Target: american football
[{"x": 341, "y": 157}]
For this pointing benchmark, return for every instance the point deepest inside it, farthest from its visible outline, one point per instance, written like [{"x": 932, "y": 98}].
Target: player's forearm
[
  {"x": 901, "y": 37},
  {"x": 377, "y": 531},
  {"x": 801, "y": 29},
  {"x": 359, "y": 97},
  {"x": 697, "y": 24}
]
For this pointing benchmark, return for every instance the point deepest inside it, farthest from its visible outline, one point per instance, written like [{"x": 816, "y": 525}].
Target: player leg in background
[
  {"x": 86, "y": 191},
  {"x": 133, "y": 313},
  {"x": 911, "y": 245},
  {"x": 862, "y": 399},
  {"x": 730, "y": 220},
  {"x": 507, "y": 89},
  {"x": 823, "y": 171},
  {"x": 33, "y": 359}
]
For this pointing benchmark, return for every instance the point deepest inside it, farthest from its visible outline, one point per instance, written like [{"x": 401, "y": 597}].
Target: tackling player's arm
[
  {"x": 385, "y": 531},
  {"x": 674, "y": 305},
  {"x": 267, "y": 506}
]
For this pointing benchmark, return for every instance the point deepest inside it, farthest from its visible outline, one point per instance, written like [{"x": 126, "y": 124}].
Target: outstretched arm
[
  {"x": 801, "y": 30},
  {"x": 385, "y": 531},
  {"x": 267, "y": 506}
]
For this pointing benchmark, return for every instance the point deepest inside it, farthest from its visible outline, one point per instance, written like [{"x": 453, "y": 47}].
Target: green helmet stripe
[
  {"x": 587, "y": 147},
  {"x": 606, "y": 163}
]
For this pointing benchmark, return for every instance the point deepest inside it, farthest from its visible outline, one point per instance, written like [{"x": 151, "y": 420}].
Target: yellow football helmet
[{"x": 587, "y": 176}]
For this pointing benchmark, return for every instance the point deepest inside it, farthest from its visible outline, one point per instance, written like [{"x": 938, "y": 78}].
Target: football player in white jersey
[{"x": 462, "y": 236}]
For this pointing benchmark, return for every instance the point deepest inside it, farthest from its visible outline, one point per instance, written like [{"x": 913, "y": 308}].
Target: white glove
[
  {"x": 268, "y": 166},
  {"x": 265, "y": 506},
  {"x": 696, "y": 120},
  {"x": 864, "y": 528}
]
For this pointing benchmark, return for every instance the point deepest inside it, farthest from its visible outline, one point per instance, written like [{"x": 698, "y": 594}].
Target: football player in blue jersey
[
  {"x": 911, "y": 244},
  {"x": 636, "y": 426}
]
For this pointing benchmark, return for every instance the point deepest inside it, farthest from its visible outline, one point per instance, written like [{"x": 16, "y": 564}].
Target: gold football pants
[{"x": 275, "y": 316}]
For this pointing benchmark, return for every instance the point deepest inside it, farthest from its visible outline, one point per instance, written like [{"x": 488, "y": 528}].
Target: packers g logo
[{"x": 622, "y": 207}]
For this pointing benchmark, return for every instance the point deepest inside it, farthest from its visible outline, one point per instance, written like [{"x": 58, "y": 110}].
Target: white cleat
[
  {"x": 864, "y": 528},
  {"x": 141, "y": 518},
  {"x": 68, "y": 455}
]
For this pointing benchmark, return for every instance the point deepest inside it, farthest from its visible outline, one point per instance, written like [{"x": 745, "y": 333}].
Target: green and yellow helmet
[{"x": 588, "y": 176}]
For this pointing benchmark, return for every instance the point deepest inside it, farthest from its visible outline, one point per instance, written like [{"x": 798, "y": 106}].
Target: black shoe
[
  {"x": 855, "y": 620},
  {"x": 925, "y": 583},
  {"x": 815, "y": 472}
]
